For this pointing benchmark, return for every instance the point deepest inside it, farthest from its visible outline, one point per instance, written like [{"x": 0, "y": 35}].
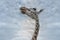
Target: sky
[{"x": 12, "y": 21}]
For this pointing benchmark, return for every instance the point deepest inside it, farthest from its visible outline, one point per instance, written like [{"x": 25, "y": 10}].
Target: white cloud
[
  {"x": 30, "y": 3},
  {"x": 57, "y": 24},
  {"x": 2, "y": 23}
]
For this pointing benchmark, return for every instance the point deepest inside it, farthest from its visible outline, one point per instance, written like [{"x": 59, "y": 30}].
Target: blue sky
[{"x": 11, "y": 18}]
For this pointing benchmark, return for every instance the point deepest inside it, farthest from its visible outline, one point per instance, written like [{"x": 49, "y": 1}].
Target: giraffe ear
[{"x": 40, "y": 11}]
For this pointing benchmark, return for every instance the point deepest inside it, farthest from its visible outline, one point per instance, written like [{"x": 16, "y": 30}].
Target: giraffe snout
[{"x": 23, "y": 10}]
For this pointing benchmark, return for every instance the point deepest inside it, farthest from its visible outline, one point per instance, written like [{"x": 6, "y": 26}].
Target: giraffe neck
[{"x": 36, "y": 30}]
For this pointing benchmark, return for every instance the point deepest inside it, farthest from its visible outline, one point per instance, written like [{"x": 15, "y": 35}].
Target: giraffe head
[
  {"x": 31, "y": 12},
  {"x": 24, "y": 9}
]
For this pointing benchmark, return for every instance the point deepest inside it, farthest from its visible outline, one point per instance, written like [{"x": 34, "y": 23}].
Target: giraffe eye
[{"x": 34, "y": 8}]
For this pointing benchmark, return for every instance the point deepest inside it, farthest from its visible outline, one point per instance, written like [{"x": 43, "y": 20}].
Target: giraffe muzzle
[{"x": 23, "y": 10}]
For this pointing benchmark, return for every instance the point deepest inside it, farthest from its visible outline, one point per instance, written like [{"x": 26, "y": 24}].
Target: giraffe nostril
[{"x": 23, "y": 12}]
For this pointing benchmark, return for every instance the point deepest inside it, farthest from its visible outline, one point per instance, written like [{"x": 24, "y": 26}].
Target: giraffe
[{"x": 32, "y": 13}]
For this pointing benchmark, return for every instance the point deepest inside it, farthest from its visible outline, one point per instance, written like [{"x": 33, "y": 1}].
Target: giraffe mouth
[{"x": 23, "y": 10}]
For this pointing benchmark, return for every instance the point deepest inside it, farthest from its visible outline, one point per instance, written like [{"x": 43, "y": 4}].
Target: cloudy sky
[{"x": 12, "y": 21}]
